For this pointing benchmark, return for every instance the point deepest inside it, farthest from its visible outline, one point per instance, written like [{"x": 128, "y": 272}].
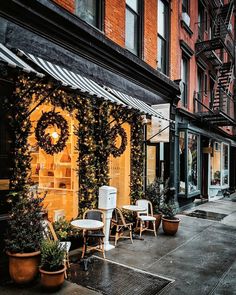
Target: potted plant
[
  {"x": 153, "y": 194},
  {"x": 52, "y": 266},
  {"x": 24, "y": 235},
  {"x": 66, "y": 232},
  {"x": 170, "y": 222}
]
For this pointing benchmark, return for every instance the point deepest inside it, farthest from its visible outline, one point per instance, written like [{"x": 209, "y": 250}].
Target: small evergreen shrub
[{"x": 52, "y": 255}]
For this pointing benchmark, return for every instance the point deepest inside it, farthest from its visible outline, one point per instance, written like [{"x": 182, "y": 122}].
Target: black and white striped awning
[
  {"x": 14, "y": 61},
  {"x": 138, "y": 104},
  {"x": 85, "y": 85},
  {"x": 74, "y": 80}
]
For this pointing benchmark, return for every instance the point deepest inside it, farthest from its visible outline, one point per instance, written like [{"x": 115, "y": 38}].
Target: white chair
[
  {"x": 146, "y": 216},
  {"x": 49, "y": 233}
]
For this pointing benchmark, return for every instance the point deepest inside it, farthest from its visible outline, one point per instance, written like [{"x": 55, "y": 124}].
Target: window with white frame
[
  {"x": 132, "y": 26},
  {"x": 163, "y": 35}
]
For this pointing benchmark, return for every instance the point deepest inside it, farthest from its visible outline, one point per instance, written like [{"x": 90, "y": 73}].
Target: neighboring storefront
[{"x": 204, "y": 163}]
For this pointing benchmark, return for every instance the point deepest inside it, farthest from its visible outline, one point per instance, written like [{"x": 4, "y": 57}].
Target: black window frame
[
  {"x": 185, "y": 8},
  {"x": 201, "y": 24},
  {"x": 100, "y": 6},
  {"x": 165, "y": 39},
  {"x": 140, "y": 30},
  {"x": 185, "y": 86}
]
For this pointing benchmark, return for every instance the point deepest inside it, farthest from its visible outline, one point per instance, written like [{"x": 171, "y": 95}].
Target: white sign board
[{"x": 157, "y": 124}]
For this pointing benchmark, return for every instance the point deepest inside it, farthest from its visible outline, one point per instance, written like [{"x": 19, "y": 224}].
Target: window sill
[{"x": 187, "y": 28}]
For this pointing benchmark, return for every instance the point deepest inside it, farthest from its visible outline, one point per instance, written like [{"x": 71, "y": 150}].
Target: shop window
[
  {"x": 216, "y": 165},
  {"x": 182, "y": 166},
  {"x": 188, "y": 163},
  {"x": 133, "y": 26},
  {"x": 91, "y": 11},
  {"x": 225, "y": 170},
  {"x": 119, "y": 170},
  {"x": 56, "y": 174},
  {"x": 163, "y": 36},
  {"x": 192, "y": 162}
]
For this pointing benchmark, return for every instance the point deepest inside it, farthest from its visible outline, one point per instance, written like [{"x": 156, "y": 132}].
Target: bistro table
[
  {"x": 86, "y": 225},
  {"x": 134, "y": 209}
]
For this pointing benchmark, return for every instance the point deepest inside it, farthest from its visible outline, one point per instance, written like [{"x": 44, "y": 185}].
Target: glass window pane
[
  {"x": 131, "y": 32},
  {"x": 225, "y": 164},
  {"x": 185, "y": 6},
  {"x": 161, "y": 57},
  {"x": 133, "y": 4},
  {"x": 184, "y": 78},
  {"x": 151, "y": 164},
  {"x": 192, "y": 162},
  {"x": 182, "y": 160},
  {"x": 215, "y": 164},
  {"x": 161, "y": 18},
  {"x": 87, "y": 10}
]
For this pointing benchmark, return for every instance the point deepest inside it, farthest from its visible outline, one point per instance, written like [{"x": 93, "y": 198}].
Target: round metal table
[{"x": 87, "y": 225}]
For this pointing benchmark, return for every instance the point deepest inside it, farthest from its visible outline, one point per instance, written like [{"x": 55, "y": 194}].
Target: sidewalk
[{"x": 199, "y": 260}]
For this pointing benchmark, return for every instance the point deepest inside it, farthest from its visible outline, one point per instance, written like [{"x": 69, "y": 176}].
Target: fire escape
[{"x": 219, "y": 52}]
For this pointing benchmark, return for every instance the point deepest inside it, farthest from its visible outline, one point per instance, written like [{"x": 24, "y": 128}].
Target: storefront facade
[
  {"x": 203, "y": 163},
  {"x": 73, "y": 175}
]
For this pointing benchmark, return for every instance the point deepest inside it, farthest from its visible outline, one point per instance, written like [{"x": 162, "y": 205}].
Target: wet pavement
[
  {"x": 207, "y": 215},
  {"x": 200, "y": 259}
]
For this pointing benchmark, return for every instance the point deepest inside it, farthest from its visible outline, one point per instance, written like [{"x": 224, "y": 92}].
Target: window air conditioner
[{"x": 186, "y": 18}]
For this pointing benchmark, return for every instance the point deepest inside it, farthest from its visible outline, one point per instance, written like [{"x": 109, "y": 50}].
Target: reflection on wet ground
[
  {"x": 207, "y": 215},
  {"x": 111, "y": 278}
]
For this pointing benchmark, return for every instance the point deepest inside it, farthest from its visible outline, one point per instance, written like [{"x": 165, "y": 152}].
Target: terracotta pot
[
  {"x": 52, "y": 280},
  {"x": 23, "y": 267},
  {"x": 170, "y": 226},
  {"x": 158, "y": 220}
]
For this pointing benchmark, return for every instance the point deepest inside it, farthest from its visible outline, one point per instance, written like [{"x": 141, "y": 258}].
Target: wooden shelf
[{"x": 56, "y": 189}]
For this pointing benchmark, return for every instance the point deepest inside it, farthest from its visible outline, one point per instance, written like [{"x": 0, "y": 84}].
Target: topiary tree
[{"x": 25, "y": 229}]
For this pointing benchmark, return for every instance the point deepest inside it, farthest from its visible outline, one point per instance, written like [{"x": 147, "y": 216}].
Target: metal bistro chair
[
  {"x": 94, "y": 214},
  {"x": 118, "y": 222},
  {"x": 145, "y": 217},
  {"x": 49, "y": 233}
]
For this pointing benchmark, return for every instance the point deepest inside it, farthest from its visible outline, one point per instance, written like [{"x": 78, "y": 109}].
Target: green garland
[
  {"x": 44, "y": 140},
  {"x": 21, "y": 126},
  {"x": 137, "y": 159},
  {"x": 117, "y": 130},
  {"x": 94, "y": 142}
]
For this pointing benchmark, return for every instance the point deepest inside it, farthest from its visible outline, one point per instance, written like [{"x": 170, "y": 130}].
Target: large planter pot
[
  {"x": 52, "y": 280},
  {"x": 23, "y": 267},
  {"x": 170, "y": 226},
  {"x": 158, "y": 220}
]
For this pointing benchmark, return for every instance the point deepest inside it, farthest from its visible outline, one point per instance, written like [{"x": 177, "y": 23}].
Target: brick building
[
  {"x": 202, "y": 56},
  {"x": 127, "y": 52}
]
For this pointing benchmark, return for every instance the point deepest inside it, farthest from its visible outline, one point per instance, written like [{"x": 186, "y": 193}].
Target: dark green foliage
[
  {"x": 168, "y": 205},
  {"x": 64, "y": 230},
  {"x": 137, "y": 158},
  {"x": 52, "y": 255},
  {"x": 153, "y": 194},
  {"x": 25, "y": 230}
]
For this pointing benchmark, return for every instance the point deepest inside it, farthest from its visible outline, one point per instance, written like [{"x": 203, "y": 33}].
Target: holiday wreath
[
  {"x": 44, "y": 139},
  {"x": 115, "y": 131}
]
